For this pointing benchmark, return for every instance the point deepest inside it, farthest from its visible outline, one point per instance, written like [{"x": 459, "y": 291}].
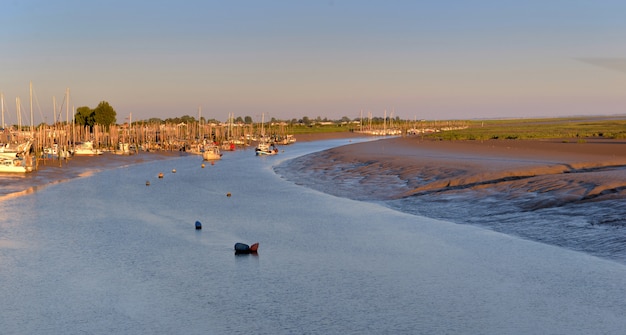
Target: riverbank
[
  {"x": 568, "y": 194},
  {"x": 571, "y": 170}
]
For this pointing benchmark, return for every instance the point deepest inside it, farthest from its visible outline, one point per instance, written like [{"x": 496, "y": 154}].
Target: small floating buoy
[
  {"x": 198, "y": 225},
  {"x": 228, "y": 194},
  {"x": 203, "y": 165},
  {"x": 212, "y": 163},
  {"x": 147, "y": 183},
  {"x": 160, "y": 174},
  {"x": 242, "y": 248},
  {"x": 173, "y": 170}
]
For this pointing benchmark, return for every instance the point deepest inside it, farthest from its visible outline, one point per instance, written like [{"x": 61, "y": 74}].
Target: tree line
[{"x": 104, "y": 114}]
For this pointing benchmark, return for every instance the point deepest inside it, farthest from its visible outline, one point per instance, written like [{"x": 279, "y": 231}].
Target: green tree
[
  {"x": 104, "y": 114},
  {"x": 248, "y": 120},
  {"x": 187, "y": 119},
  {"x": 84, "y": 116}
]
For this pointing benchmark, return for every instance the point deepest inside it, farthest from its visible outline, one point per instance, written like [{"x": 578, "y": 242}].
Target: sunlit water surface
[{"x": 106, "y": 254}]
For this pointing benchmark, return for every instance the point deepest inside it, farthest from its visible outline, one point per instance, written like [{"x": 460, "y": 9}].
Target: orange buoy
[
  {"x": 212, "y": 163},
  {"x": 160, "y": 174},
  {"x": 202, "y": 165},
  {"x": 173, "y": 170},
  {"x": 147, "y": 183},
  {"x": 228, "y": 194}
]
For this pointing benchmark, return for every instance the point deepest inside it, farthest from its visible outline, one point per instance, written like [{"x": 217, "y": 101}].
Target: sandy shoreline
[{"x": 567, "y": 171}]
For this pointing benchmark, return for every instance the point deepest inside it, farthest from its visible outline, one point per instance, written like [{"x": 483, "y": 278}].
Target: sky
[{"x": 434, "y": 60}]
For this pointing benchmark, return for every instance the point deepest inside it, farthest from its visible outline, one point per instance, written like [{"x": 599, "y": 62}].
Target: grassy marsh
[{"x": 578, "y": 128}]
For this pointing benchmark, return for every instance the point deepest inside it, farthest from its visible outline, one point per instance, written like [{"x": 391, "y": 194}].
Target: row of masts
[
  {"x": 18, "y": 105},
  {"x": 174, "y": 136},
  {"x": 143, "y": 136}
]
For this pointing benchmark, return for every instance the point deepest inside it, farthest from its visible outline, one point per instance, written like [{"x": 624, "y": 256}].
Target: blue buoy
[
  {"x": 198, "y": 225},
  {"x": 242, "y": 248}
]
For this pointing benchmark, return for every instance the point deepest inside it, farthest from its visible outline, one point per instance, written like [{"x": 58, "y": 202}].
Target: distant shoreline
[{"x": 409, "y": 157}]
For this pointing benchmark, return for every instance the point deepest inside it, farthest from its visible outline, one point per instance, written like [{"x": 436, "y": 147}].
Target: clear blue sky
[{"x": 288, "y": 59}]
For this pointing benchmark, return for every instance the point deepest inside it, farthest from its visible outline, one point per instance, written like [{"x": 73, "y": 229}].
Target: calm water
[{"x": 107, "y": 254}]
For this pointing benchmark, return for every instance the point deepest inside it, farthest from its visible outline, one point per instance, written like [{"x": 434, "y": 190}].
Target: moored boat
[
  {"x": 287, "y": 139},
  {"x": 86, "y": 149},
  {"x": 123, "y": 148},
  {"x": 15, "y": 148},
  {"x": 211, "y": 153},
  {"x": 265, "y": 148},
  {"x": 55, "y": 151},
  {"x": 15, "y": 164}
]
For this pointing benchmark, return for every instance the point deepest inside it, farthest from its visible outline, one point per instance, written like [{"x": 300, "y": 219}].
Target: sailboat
[
  {"x": 16, "y": 161},
  {"x": 265, "y": 145},
  {"x": 15, "y": 164}
]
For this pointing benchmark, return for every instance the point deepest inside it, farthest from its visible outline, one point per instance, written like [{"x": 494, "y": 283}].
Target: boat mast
[
  {"x": 19, "y": 114},
  {"x": 200, "y": 137},
  {"x": 2, "y": 103},
  {"x": 67, "y": 106},
  {"x": 385, "y": 124},
  {"x": 361, "y": 121},
  {"x": 32, "y": 127}
]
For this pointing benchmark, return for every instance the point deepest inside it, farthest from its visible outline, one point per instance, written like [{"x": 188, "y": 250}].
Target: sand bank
[{"x": 567, "y": 170}]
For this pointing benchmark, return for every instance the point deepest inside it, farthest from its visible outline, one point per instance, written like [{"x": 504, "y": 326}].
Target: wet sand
[{"x": 566, "y": 170}]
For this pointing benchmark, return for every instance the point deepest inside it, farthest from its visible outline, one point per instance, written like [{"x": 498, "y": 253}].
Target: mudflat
[{"x": 567, "y": 170}]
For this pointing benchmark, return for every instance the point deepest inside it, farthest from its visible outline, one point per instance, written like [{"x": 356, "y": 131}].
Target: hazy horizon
[{"x": 418, "y": 60}]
